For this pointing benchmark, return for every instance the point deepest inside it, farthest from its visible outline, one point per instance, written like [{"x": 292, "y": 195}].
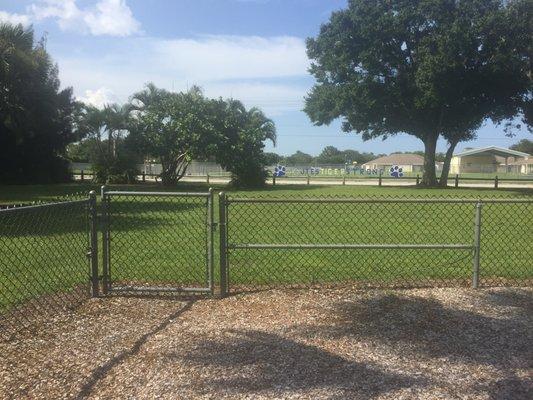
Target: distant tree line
[{"x": 330, "y": 155}]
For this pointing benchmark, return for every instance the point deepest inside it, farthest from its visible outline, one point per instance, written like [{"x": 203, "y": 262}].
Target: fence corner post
[
  {"x": 223, "y": 244},
  {"x": 477, "y": 245},
  {"x": 93, "y": 218}
]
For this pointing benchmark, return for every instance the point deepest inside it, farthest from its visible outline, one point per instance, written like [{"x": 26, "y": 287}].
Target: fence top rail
[
  {"x": 45, "y": 205},
  {"x": 136, "y": 193},
  {"x": 349, "y": 246},
  {"x": 374, "y": 200}
]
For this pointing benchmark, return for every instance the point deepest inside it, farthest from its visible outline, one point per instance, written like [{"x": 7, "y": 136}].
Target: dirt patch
[{"x": 326, "y": 343}]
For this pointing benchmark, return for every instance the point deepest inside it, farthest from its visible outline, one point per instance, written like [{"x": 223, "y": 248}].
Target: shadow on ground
[
  {"x": 256, "y": 361},
  {"x": 100, "y": 373},
  {"x": 424, "y": 327}
]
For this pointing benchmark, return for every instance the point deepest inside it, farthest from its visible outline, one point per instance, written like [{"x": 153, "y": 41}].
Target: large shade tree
[
  {"x": 35, "y": 114},
  {"x": 428, "y": 68}
]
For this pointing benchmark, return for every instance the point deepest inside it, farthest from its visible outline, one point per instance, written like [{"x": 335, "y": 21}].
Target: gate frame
[{"x": 106, "y": 243}]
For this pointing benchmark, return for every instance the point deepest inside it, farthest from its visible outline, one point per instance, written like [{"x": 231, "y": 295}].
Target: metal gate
[{"x": 157, "y": 241}]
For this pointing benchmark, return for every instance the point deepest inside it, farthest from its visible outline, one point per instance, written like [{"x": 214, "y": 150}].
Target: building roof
[
  {"x": 398, "y": 159},
  {"x": 492, "y": 150}
]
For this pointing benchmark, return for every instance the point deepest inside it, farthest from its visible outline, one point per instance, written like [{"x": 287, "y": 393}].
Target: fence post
[
  {"x": 274, "y": 180},
  {"x": 93, "y": 217},
  {"x": 211, "y": 240},
  {"x": 379, "y": 181},
  {"x": 417, "y": 179},
  {"x": 207, "y": 180},
  {"x": 477, "y": 246},
  {"x": 222, "y": 216},
  {"x": 456, "y": 180},
  {"x": 496, "y": 182},
  {"x": 105, "y": 240},
  {"x": 82, "y": 177},
  {"x": 344, "y": 179},
  {"x": 308, "y": 180},
  {"x": 144, "y": 176}
]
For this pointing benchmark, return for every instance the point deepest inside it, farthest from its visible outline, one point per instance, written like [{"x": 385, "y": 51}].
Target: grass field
[{"x": 163, "y": 240}]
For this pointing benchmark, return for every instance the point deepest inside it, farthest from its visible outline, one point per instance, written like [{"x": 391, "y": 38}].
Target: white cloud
[
  {"x": 112, "y": 17},
  {"x": 99, "y": 97},
  {"x": 107, "y": 17},
  {"x": 261, "y": 71},
  {"x": 14, "y": 18},
  {"x": 228, "y": 57}
]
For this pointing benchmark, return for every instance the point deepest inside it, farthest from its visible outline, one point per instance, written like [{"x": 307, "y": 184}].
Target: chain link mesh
[
  {"x": 506, "y": 246},
  {"x": 157, "y": 241},
  {"x": 43, "y": 261}
]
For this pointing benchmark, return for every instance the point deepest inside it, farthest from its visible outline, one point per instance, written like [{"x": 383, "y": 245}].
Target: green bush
[{"x": 114, "y": 168}]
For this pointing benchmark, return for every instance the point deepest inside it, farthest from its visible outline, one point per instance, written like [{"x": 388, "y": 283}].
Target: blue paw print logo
[
  {"x": 279, "y": 170},
  {"x": 396, "y": 172}
]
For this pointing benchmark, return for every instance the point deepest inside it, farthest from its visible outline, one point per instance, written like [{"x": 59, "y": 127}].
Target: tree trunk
[
  {"x": 429, "y": 177},
  {"x": 174, "y": 169},
  {"x": 443, "y": 181}
]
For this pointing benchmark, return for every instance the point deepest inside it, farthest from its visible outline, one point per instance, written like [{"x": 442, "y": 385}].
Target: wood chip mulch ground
[{"x": 283, "y": 344}]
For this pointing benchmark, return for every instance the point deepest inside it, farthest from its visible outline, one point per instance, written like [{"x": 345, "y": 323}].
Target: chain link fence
[
  {"x": 53, "y": 255},
  {"x": 44, "y": 264},
  {"x": 375, "y": 242}
]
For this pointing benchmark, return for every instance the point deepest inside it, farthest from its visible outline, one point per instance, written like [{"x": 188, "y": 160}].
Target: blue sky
[{"x": 252, "y": 50}]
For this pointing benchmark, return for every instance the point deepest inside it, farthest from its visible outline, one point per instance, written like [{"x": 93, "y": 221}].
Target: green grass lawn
[{"x": 163, "y": 240}]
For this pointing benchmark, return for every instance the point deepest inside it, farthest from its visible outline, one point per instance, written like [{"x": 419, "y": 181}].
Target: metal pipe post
[
  {"x": 477, "y": 246},
  {"x": 211, "y": 241},
  {"x": 105, "y": 240},
  {"x": 93, "y": 216},
  {"x": 223, "y": 244}
]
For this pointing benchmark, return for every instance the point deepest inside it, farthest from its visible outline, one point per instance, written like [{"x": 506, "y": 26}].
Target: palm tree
[{"x": 116, "y": 119}]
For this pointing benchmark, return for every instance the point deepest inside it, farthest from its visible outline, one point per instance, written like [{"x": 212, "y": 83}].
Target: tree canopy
[
  {"x": 523, "y": 145},
  {"x": 35, "y": 115},
  {"x": 428, "y": 68},
  {"x": 176, "y": 128}
]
